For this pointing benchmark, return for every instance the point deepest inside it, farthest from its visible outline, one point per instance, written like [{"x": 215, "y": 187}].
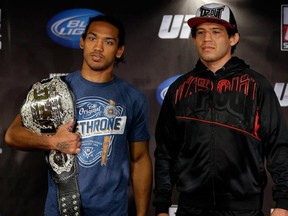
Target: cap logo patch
[{"x": 211, "y": 12}]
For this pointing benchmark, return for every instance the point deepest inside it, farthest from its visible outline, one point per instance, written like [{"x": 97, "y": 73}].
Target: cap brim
[{"x": 198, "y": 20}]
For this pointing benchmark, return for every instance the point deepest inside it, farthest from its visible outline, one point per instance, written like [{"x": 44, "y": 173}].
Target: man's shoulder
[{"x": 128, "y": 86}]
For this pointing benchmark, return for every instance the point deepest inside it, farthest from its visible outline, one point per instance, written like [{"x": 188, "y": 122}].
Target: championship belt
[{"x": 49, "y": 104}]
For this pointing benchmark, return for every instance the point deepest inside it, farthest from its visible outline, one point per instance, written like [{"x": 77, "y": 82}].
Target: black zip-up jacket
[{"x": 214, "y": 134}]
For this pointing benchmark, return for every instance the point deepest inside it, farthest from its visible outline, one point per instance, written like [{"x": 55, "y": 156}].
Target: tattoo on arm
[{"x": 62, "y": 146}]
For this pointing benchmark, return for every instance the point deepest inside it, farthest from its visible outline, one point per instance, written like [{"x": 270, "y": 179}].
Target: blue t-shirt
[{"x": 114, "y": 113}]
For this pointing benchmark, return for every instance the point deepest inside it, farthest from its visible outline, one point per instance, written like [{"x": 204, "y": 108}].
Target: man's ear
[
  {"x": 234, "y": 39},
  {"x": 120, "y": 51},
  {"x": 81, "y": 43}
]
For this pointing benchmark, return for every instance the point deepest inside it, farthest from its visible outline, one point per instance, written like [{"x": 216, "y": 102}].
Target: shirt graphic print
[{"x": 98, "y": 121}]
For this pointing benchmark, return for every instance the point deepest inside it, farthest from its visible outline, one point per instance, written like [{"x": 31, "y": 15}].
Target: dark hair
[
  {"x": 113, "y": 21},
  {"x": 230, "y": 32}
]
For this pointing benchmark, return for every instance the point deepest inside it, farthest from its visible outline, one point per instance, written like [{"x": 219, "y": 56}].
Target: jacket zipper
[{"x": 213, "y": 138}]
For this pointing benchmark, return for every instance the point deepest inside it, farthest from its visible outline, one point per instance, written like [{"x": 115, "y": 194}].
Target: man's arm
[
  {"x": 19, "y": 137},
  {"x": 141, "y": 175}
]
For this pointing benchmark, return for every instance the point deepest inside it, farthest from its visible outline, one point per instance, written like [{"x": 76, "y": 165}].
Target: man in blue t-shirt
[{"x": 111, "y": 139}]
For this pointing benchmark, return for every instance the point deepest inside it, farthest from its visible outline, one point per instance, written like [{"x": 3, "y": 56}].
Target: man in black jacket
[{"x": 217, "y": 126}]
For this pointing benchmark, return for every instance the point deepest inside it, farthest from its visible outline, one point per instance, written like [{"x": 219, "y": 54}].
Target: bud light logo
[
  {"x": 66, "y": 28},
  {"x": 162, "y": 89}
]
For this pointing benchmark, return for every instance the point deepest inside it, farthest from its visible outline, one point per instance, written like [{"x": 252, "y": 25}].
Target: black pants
[{"x": 183, "y": 210}]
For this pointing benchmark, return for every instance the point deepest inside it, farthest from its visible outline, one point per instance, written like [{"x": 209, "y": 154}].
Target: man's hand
[
  {"x": 65, "y": 140},
  {"x": 279, "y": 212}
]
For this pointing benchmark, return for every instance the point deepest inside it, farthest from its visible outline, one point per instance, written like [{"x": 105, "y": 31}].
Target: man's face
[
  {"x": 213, "y": 43},
  {"x": 101, "y": 46}
]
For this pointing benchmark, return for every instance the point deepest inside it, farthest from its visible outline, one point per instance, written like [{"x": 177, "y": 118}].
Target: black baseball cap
[{"x": 214, "y": 12}]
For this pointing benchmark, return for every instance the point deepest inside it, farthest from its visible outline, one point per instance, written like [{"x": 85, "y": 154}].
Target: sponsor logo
[
  {"x": 163, "y": 87},
  {"x": 284, "y": 27},
  {"x": 281, "y": 90},
  {"x": 173, "y": 27},
  {"x": 208, "y": 12},
  {"x": 66, "y": 28}
]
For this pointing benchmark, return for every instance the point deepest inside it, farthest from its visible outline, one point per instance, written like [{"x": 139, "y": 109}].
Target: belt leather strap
[{"x": 64, "y": 171}]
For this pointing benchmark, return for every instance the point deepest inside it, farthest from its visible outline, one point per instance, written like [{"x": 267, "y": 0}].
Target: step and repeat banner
[{"x": 40, "y": 40}]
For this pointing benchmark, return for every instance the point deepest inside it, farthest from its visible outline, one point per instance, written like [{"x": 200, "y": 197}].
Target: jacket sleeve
[
  {"x": 166, "y": 140},
  {"x": 275, "y": 135}
]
